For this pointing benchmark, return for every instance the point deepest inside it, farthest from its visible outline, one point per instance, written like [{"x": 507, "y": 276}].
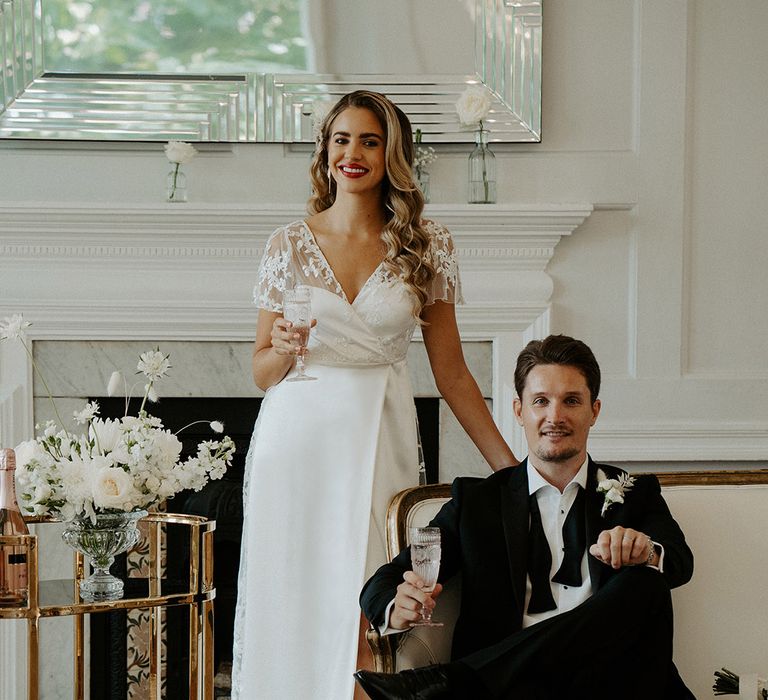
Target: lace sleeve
[
  {"x": 446, "y": 285},
  {"x": 275, "y": 272}
]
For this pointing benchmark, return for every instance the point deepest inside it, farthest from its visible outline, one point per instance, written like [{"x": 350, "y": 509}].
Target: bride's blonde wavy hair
[{"x": 405, "y": 238}]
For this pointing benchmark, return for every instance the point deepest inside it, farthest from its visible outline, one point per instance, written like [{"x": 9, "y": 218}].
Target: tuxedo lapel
[
  {"x": 515, "y": 516},
  {"x": 595, "y": 523}
]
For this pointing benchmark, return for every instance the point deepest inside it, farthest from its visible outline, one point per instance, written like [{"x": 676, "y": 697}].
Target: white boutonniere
[{"x": 614, "y": 490}]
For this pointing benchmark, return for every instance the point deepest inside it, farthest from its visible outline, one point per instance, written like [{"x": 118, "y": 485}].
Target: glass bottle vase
[
  {"x": 482, "y": 171},
  {"x": 177, "y": 185},
  {"x": 422, "y": 180}
]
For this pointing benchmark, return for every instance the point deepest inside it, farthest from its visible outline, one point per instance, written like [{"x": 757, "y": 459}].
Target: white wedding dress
[{"x": 325, "y": 459}]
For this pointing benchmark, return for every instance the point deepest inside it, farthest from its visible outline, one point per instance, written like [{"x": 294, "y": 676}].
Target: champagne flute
[
  {"x": 297, "y": 309},
  {"x": 425, "y": 561}
]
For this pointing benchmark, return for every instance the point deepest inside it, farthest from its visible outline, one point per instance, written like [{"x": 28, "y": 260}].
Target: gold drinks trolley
[{"x": 62, "y": 598}]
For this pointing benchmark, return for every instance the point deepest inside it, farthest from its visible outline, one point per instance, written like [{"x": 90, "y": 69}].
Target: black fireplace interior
[{"x": 221, "y": 501}]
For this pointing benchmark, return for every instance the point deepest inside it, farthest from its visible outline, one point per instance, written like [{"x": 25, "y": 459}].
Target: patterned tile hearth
[{"x": 222, "y": 682}]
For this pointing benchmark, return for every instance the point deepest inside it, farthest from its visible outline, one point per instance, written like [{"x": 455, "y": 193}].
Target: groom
[{"x": 566, "y": 565}]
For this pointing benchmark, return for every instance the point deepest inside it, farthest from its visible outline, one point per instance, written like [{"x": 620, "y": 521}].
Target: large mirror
[{"x": 251, "y": 70}]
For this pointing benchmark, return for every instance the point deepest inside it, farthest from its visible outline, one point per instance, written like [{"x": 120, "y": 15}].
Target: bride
[{"x": 326, "y": 456}]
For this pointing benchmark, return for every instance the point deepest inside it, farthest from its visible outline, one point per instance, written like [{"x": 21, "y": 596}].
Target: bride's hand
[{"x": 282, "y": 337}]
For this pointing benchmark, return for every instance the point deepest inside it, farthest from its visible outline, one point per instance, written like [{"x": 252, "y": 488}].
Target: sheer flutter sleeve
[
  {"x": 275, "y": 272},
  {"x": 446, "y": 285}
]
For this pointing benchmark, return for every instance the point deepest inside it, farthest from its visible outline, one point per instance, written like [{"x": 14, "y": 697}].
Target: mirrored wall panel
[{"x": 253, "y": 70}]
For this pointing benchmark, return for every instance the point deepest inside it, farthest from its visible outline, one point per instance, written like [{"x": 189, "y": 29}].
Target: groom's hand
[
  {"x": 409, "y": 599},
  {"x": 623, "y": 547}
]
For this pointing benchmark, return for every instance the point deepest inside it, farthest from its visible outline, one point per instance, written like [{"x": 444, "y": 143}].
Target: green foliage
[{"x": 168, "y": 36}]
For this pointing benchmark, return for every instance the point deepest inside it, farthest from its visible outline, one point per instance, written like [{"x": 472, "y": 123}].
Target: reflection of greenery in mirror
[{"x": 170, "y": 36}]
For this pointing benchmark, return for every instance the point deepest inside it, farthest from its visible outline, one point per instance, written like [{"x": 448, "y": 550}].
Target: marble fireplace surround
[{"x": 115, "y": 279}]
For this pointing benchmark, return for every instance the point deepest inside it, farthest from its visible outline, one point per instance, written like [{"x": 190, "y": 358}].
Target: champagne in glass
[
  {"x": 297, "y": 309},
  {"x": 425, "y": 560}
]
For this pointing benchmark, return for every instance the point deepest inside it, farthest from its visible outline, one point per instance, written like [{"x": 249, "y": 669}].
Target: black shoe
[{"x": 427, "y": 683}]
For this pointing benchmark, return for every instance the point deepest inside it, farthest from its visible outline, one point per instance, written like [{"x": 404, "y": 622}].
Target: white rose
[
  {"x": 112, "y": 488},
  {"x": 473, "y": 105},
  {"x": 26, "y": 452},
  {"x": 179, "y": 151}
]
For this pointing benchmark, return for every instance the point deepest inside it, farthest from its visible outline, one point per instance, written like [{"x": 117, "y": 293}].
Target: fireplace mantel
[{"x": 186, "y": 272}]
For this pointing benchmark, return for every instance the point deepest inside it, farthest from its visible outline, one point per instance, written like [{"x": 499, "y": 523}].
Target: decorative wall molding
[
  {"x": 682, "y": 441},
  {"x": 95, "y": 266}
]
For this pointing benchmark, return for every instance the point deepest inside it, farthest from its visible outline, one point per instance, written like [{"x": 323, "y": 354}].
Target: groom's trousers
[{"x": 615, "y": 645}]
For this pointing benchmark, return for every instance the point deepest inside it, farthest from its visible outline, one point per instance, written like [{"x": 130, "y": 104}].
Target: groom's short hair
[{"x": 558, "y": 350}]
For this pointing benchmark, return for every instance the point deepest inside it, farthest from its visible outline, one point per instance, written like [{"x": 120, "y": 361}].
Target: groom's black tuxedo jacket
[{"x": 484, "y": 529}]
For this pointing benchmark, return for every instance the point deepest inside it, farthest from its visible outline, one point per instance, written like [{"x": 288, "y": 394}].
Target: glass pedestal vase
[
  {"x": 177, "y": 185},
  {"x": 111, "y": 534},
  {"x": 482, "y": 171}
]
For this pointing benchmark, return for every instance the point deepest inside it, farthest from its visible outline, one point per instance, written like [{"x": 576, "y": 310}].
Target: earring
[{"x": 330, "y": 179}]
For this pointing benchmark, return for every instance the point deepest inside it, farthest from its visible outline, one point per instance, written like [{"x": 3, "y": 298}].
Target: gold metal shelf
[{"x": 57, "y": 598}]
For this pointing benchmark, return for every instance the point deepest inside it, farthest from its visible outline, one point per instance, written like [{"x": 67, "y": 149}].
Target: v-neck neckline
[{"x": 325, "y": 262}]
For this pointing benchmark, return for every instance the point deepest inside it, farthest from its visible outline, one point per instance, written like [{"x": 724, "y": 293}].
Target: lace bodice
[
  {"x": 376, "y": 328},
  {"x": 293, "y": 257}
]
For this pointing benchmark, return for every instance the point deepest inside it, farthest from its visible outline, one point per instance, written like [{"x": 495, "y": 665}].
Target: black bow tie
[{"x": 540, "y": 559}]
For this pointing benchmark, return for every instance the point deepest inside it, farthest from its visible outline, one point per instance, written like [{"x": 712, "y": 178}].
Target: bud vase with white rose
[
  {"x": 473, "y": 107},
  {"x": 178, "y": 153}
]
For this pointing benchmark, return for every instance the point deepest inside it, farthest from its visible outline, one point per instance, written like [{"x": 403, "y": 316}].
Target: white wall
[{"x": 652, "y": 113}]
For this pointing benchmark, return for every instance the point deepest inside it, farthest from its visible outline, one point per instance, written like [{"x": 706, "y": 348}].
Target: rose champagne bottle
[{"x": 13, "y": 558}]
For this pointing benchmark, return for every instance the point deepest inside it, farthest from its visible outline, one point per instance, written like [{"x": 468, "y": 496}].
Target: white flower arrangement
[
  {"x": 124, "y": 464},
  {"x": 177, "y": 153},
  {"x": 614, "y": 489}
]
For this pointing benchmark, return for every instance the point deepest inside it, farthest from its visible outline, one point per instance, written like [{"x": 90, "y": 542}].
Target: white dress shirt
[{"x": 554, "y": 507}]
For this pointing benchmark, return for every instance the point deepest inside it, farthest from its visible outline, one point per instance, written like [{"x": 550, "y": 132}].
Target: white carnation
[{"x": 167, "y": 447}]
